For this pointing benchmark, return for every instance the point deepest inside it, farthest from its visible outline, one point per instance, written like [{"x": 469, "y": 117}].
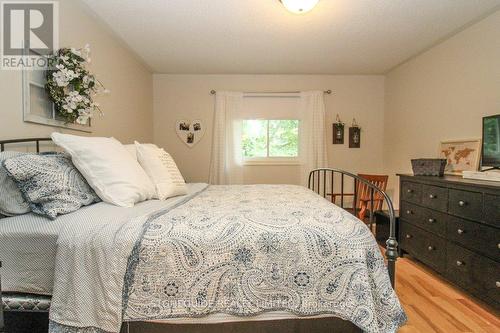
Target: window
[
  {"x": 270, "y": 140},
  {"x": 270, "y": 129}
]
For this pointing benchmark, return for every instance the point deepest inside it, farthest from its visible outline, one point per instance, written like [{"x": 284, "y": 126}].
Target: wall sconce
[
  {"x": 354, "y": 135},
  {"x": 338, "y": 131}
]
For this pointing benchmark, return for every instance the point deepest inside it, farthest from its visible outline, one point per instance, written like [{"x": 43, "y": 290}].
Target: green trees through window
[{"x": 270, "y": 138}]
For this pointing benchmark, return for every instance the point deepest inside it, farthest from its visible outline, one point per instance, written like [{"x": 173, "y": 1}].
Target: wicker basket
[{"x": 428, "y": 166}]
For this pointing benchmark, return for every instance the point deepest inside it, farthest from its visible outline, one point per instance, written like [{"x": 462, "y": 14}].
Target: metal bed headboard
[
  {"x": 29, "y": 302},
  {"x": 12, "y": 141},
  {"x": 22, "y": 302},
  {"x": 37, "y": 141},
  {"x": 323, "y": 178}
]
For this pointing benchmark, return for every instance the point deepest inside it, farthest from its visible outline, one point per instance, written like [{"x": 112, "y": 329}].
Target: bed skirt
[
  {"x": 315, "y": 325},
  {"x": 37, "y": 322},
  {"x": 27, "y": 313}
]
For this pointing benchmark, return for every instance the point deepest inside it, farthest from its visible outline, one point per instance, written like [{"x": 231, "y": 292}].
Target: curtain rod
[{"x": 329, "y": 92}]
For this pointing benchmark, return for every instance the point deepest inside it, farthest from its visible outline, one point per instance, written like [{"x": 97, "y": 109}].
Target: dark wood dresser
[{"x": 452, "y": 225}]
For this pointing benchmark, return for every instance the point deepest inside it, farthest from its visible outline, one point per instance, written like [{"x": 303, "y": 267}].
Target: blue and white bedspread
[{"x": 245, "y": 250}]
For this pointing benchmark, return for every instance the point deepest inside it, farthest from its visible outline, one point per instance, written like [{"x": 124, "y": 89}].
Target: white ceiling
[{"x": 261, "y": 37}]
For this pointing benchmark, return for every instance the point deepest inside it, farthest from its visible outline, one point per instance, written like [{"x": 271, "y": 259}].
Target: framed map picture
[{"x": 461, "y": 155}]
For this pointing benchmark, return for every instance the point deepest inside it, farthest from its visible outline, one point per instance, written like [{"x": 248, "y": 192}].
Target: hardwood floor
[{"x": 434, "y": 305}]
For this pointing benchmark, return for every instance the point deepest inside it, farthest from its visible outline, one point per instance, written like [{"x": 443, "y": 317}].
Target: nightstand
[{"x": 382, "y": 222}]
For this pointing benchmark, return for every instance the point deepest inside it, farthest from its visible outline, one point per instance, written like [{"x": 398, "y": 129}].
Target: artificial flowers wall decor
[{"x": 72, "y": 87}]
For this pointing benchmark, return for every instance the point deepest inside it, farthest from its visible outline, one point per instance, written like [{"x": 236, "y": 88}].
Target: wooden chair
[{"x": 363, "y": 195}]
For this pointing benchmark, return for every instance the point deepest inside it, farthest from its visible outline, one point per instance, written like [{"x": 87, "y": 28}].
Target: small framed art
[
  {"x": 461, "y": 155},
  {"x": 338, "y": 132}
]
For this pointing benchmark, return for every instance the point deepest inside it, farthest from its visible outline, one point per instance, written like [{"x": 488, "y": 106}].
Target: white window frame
[{"x": 271, "y": 160}]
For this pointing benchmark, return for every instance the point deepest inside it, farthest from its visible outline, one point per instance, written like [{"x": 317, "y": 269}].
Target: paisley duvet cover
[{"x": 244, "y": 250}]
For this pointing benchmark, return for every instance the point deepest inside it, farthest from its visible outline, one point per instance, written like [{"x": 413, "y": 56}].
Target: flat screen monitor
[{"x": 491, "y": 142}]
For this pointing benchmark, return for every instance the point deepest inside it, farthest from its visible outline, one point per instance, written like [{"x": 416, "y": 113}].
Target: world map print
[{"x": 460, "y": 156}]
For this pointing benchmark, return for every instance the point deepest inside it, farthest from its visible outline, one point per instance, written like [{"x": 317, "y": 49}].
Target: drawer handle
[
  {"x": 432, "y": 220},
  {"x": 432, "y": 196},
  {"x": 408, "y": 236},
  {"x": 430, "y": 248},
  {"x": 462, "y": 203},
  {"x": 409, "y": 190},
  {"x": 460, "y": 231},
  {"x": 498, "y": 245},
  {"x": 409, "y": 212},
  {"x": 460, "y": 263},
  {"x": 498, "y": 284}
]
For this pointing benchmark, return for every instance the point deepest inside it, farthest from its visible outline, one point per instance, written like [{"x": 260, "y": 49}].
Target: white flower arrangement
[{"x": 72, "y": 87}]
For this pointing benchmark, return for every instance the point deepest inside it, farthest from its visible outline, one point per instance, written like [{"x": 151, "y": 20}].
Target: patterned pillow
[
  {"x": 50, "y": 183},
  {"x": 11, "y": 199}
]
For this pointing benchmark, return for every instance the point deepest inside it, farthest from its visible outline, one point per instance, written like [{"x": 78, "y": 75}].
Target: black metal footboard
[{"x": 323, "y": 182}]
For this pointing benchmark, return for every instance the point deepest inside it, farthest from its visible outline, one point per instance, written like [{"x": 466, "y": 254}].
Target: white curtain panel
[
  {"x": 226, "y": 166},
  {"x": 313, "y": 133}
]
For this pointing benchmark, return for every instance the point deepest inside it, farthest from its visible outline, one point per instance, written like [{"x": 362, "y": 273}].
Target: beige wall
[
  {"x": 442, "y": 94},
  {"x": 128, "y": 109},
  {"x": 187, "y": 97}
]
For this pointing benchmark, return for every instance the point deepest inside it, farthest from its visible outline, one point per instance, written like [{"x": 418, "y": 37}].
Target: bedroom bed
[{"x": 220, "y": 256}]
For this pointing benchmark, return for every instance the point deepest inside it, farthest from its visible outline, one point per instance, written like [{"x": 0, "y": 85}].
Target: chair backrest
[{"x": 363, "y": 191}]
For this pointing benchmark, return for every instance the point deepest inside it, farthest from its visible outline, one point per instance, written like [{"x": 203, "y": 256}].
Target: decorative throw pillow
[
  {"x": 11, "y": 199},
  {"x": 162, "y": 171},
  {"x": 108, "y": 168},
  {"x": 50, "y": 183}
]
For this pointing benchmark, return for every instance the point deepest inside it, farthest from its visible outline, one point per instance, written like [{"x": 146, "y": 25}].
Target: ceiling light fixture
[{"x": 299, "y": 6}]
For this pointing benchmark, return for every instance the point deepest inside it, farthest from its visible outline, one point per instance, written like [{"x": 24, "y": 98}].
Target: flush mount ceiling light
[{"x": 299, "y": 6}]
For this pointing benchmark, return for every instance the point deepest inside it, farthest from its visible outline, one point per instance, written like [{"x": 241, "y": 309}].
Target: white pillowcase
[
  {"x": 132, "y": 151},
  {"x": 162, "y": 170},
  {"x": 108, "y": 168}
]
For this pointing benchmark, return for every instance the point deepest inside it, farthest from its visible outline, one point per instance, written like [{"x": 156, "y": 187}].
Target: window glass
[
  {"x": 283, "y": 138},
  {"x": 270, "y": 138},
  {"x": 254, "y": 138}
]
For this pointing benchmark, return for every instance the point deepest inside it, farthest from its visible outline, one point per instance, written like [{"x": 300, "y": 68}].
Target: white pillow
[
  {"x": 162, "y": 170},
  {"x": 132, "y": 151},
  {"x": 108, "y": 168}
]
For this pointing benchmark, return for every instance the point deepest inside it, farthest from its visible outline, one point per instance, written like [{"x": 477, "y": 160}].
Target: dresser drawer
[
  {"x": 435, "y": 197},
  {"x": 474, "y": 236},
  {"x": 410, "y": 212},
  {"x": 492, "y": 209},
  {"x": 424, "y": 246},
  {"x": 411, "y": 192},
  {"x": 466, "y": 204},
  {"x": 459, "y": 265},
  {"x": 486, "y": 279},
  {"x": 424, "y": 218},
  {"x": 473, "y": 272}
]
